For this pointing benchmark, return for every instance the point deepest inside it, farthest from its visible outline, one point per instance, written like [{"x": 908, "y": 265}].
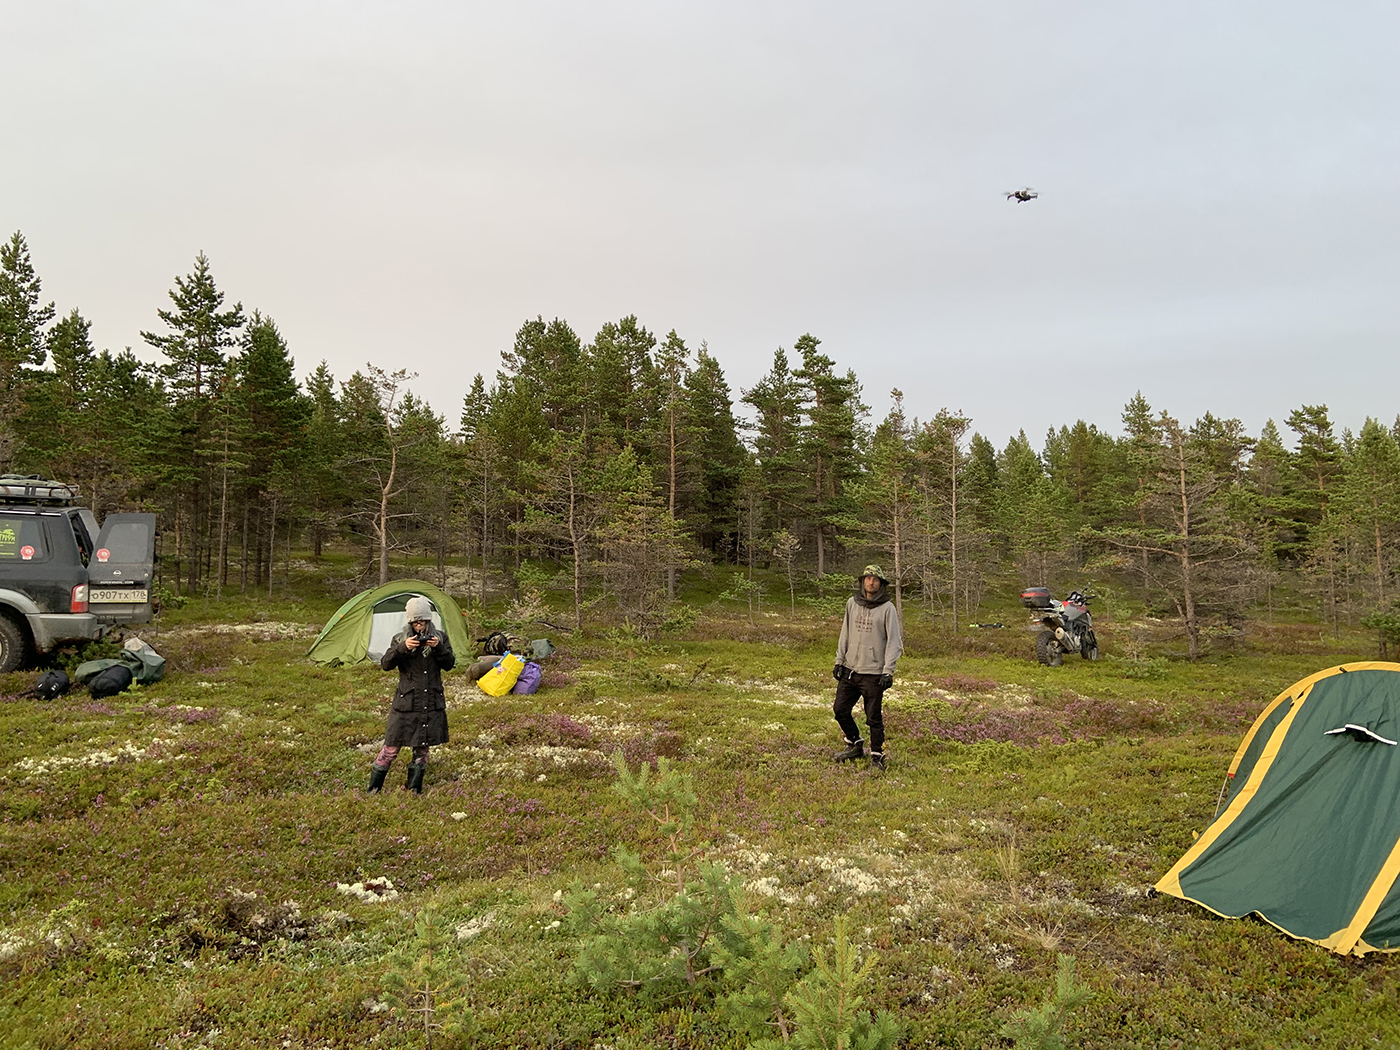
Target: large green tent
[
  {"x": 362, "y": 627},
  {"x": 1308, "y": 832}
]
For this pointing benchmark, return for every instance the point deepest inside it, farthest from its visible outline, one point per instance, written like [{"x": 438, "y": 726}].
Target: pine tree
[
  {"x": 947, "y": 531},
  {"x": 200, "y": 332},
  {"x": 1318, "y": 459},
  {"x": 1198, "y": 551},
  {"x": 1369, "y": 498},
  {"x": 23, "y": 337},
  {"x": 546, "y": 365},
  {"x": 567, "y": 507},
  {"x": 777, "y": 442},
  {"x": 1269, "y": 485},
  {"x": 830, "y": 443},
  {"x": 888, "y": 497},
  {"x": 674, "y": 438},
  {"x": 620, "y": 385},
  {"x": 642, "y": 544},
  {"x": 1032, "y": 511},
  {"x": 324, "y": 489},
  {"x": 482, "y": 484}
]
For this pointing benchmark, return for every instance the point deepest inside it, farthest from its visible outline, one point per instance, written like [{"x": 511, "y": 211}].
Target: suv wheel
[{"x": 14, "y": 646}]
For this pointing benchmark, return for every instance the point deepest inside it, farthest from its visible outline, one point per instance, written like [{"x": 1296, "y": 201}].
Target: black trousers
[{"x": 860, "y": 687}]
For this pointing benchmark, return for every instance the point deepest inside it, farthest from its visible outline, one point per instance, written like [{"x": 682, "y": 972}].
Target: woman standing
[{"x": 418, "y": 716}]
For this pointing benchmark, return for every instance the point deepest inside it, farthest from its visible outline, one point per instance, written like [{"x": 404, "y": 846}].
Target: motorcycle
[{"x": 1061, "y": 626}]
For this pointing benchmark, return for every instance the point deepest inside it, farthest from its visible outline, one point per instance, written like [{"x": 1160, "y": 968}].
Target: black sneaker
[
  {"x": 856, "y": 750},
  {"x": 877, "y": 760}
]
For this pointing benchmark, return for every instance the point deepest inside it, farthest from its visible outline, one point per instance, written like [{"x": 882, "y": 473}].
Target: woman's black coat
[{"x": 419, "y": 712}]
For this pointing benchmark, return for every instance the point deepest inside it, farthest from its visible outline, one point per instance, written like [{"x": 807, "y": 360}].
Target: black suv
[{"x": 62, "y": 579}]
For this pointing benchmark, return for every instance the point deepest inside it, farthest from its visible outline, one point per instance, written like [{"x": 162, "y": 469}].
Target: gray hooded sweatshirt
[{"x": 871, "y": 638}]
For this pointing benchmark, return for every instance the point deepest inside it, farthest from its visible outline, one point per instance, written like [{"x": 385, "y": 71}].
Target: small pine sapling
[
  {"x": 663, "y": 944},
  {"x": 759, "y": 971},
  {"x": 826, "y": 1005},
  {"x": 420, "y": 989},
  {"x": 1042, "y": 1028}
]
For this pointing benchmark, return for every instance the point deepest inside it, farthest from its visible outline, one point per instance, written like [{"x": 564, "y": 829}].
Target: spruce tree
[
  {"x": 274, "y": 416},
  {"x": 717, "y": 458}
]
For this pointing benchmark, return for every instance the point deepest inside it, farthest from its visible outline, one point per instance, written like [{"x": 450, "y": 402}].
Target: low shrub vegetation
[{"x": 654, "y": 850}]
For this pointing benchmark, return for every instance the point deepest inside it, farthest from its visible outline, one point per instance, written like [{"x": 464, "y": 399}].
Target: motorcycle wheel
[
  {"x": 1090, "y": 652},
  {"x": 1047, "y": 649}
]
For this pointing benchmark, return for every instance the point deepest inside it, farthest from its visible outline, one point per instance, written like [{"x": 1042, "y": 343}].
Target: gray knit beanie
[{"x": 418, "y": 608}]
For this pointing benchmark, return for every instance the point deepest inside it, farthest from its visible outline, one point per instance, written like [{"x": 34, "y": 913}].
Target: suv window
[
  {"x": 80, "y": 534},
  {"x": 21, "y": 539},
  {"x": 127, "y": 542}
]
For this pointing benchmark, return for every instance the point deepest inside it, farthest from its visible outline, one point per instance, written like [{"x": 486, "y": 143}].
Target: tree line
[{"x": 608, "y": 468}]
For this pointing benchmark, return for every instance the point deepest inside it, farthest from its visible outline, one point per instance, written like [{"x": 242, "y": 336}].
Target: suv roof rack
[{"x": 31, "y": 488}]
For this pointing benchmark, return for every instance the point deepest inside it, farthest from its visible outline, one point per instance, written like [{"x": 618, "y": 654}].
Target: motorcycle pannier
[{"x": 1036, "y": 597}]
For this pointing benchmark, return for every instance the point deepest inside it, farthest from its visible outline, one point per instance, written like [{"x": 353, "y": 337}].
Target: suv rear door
[{"x": 120, "y": 572}]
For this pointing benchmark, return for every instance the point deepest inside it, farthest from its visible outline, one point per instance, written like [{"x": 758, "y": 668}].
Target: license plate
[{"x": 126, "y": 595}]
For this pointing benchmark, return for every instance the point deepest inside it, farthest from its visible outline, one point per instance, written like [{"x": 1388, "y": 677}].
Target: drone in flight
[{"x": 1021, "y": 196}]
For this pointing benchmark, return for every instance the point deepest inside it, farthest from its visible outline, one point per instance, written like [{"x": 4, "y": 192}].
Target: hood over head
[{"x": 881, "y": 596}]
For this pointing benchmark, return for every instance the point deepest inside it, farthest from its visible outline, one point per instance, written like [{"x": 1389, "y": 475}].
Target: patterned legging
[{"x": 387, "y": 754}]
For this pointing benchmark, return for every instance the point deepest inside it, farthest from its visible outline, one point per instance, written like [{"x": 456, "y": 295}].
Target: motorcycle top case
[{"x": 1036, "y": 597}]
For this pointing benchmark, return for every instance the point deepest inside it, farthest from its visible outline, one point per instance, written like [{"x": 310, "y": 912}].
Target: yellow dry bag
[{"x": 501, "y": 679}]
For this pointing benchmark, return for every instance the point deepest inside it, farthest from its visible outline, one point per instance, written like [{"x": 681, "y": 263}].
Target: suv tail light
[{"x": 80, "y": 599}]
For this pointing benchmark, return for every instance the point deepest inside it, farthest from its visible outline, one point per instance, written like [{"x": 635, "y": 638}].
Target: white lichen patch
[
  {"x": 795, "y": 695},
  {"x": 371, "y": 891},
  {"x": 523, "y": 763},
  {"x": 270, "y": 631},
  {"x": 128, "y": 751},
  {"x": 477, "y": 926}
]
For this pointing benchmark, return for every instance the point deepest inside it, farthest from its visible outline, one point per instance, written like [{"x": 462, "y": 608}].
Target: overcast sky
[{"x": 406, "y": 183}]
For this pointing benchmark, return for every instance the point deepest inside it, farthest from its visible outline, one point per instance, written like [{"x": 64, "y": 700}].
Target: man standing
[{"x": 871, "y": 641}]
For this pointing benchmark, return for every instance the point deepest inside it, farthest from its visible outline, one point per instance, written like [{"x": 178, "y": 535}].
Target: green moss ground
[{"x": 1025, "y": 812}]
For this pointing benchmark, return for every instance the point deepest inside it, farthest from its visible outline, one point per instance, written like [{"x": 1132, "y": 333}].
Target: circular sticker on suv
[
  {"x": 103, "y": 554},
  {"x": 26, "y": 552}
]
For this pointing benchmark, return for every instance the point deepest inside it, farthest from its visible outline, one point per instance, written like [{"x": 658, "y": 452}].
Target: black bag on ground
[
  {"x": 51, "y": 685},
  {"x": 110, "y": 682}
]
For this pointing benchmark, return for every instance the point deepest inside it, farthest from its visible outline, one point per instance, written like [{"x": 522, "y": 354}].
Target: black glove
[
  {"x": 886, "y": 680},
  {"x": 839, "y": 672}
]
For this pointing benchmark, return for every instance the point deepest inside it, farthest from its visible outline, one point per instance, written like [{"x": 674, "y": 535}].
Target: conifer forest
[{"x": 611, "y": 465}]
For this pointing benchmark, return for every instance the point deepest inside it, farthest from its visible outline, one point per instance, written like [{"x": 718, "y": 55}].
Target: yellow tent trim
[
  {"x": 1345, "y": 941},
  {"x": 1171, "y": 881},
  {"x": 1371, "y": 903},
  {"x": 1326, "y": 942},
  {"x": 1300, "y": 688}
]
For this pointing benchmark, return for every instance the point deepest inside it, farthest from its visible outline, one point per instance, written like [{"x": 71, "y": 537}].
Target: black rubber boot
[
  {"x": 376, "y": 778},
  {"x": 854, "y": 751},
  {"x": 414, "y": 782},
  {"x": 877, "y": 760}
]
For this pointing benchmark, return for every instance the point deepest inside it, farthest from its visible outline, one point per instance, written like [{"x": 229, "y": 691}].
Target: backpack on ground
[
  {"x": 529, "y": 679},
  {"x": 110, "y": 681},
  {"x": 494, "y": 644},
  {"x": 502, "y": 678},
  {"x": 51, "y": 685}
]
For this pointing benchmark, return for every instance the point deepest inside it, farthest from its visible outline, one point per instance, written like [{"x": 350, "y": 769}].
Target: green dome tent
[
  {"x": 363, "y": 627},
  {"x": 1308, "y": 836}
]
